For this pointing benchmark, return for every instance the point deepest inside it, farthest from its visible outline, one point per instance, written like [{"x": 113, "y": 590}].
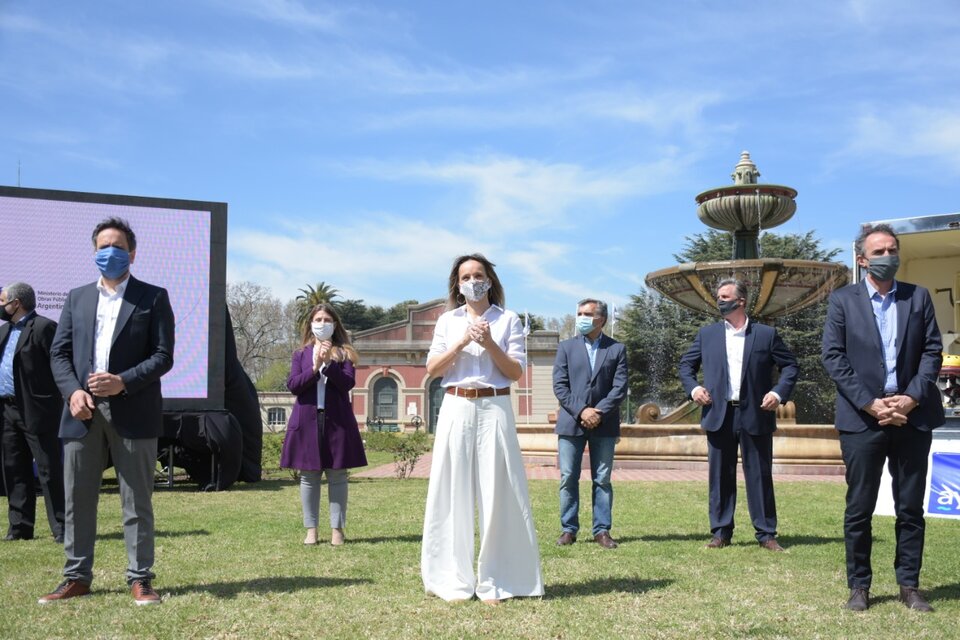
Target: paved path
[{"x": 550, "y": 472}]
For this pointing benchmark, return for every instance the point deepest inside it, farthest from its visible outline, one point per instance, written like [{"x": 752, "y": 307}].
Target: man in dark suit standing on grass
[
  {"x": 739, "y": 404},
  {"x": 590, "y": 381},
  {"x": 882, "y": 347},
  {"x": 30, "y": 406},
  {"x": 114, "y": 342}
]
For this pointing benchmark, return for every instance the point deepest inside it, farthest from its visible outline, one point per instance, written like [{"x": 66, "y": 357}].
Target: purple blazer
[{"x": 342, "y": 446}]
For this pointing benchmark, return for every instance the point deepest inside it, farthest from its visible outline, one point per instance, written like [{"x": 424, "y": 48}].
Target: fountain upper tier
[{"x": 778, "y": 287}]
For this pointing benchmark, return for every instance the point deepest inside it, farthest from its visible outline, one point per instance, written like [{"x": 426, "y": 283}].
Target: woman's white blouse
[{"x": 474, "y": 368}]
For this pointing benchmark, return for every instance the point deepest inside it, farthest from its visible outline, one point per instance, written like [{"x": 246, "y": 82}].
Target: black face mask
[
  {"x": 4, "y": 314},
  {"x": 727, "y": 306}
]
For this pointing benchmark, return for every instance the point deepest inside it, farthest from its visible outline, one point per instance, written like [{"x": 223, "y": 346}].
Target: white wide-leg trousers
[{"x": 477, "y": 465}]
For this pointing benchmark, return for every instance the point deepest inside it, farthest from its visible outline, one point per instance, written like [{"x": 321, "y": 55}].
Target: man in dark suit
[
  {"x": 882, "y": 347},
  {"x": 739, "y": 410},
  {"x": 590, "y": 381},
  {"x": 30, "y": 406},
  {"x": 114, "y": 342}
]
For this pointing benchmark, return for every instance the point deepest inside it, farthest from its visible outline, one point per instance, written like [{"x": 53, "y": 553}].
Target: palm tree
[{"x": 311, "y": 296}]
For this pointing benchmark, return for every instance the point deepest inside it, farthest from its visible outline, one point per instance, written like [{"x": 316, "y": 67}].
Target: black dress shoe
[
  {"x": 604, "y": 540},
  {"x": 17, "y": 536},
  {"x": 859, "y": 600},
  {"x": 717, "y": 543},
  {"x": 566, "y": 538},
  {"x": 912, "y": 599},
  {"x": 771, "y": 544}
]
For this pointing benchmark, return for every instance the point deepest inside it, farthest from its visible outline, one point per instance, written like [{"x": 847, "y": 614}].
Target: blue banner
[{"x": 945, "y": 485}]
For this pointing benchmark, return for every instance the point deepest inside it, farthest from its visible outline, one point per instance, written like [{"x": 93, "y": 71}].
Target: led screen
[{"x": 180, "y": 246}]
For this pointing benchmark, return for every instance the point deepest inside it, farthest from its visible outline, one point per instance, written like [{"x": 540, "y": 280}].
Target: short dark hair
[
  {"x": 495, "y": 295},
  {"x": 24, "y": 293},
  {"x": 120, "y": 225},
  {"x": 869, "y": 230},
  {"x": 600, "y": 304},
  {"x": 740, "y": 286}
]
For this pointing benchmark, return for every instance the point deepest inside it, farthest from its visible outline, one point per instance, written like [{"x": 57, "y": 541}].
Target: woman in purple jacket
[{"x": 322, "y": 435}]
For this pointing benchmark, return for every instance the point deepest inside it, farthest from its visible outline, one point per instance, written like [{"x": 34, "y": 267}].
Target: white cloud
[{"x": 913, "y": 132}]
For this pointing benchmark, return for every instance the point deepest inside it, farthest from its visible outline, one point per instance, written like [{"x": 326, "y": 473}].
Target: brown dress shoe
[
  {"x": 604, "y": 540},
  {"x": 911, "y": 597},
  {"x": 66, "y": 589},
  {"x": 859, "y": 600},
  {"x": 771, "y": 544},
  {"x": 143, "y": 592},
  {"x": 718, "y": 543},
  {"x": 566, "y": 538}
]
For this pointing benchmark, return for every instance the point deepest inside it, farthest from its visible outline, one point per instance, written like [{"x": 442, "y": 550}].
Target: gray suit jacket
[
  {"x": 141, "y": 352},
  {"x": 577, "y": 387}
]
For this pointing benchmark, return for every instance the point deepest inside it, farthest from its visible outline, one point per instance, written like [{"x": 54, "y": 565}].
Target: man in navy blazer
[
  {"x": 739, "y": 404},
  {"x": 882, "y": 347},
  {"x": 30, "y": 405},
  {"x": 590, "y": 381},
  {"x": 114, "y": 342}
]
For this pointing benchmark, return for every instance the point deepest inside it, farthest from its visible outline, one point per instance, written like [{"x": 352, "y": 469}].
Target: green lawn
[{"x": 231, "y": 565}]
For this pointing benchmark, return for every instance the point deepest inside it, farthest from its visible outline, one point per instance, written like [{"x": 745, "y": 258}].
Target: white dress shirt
[
  {"x": 735, "y": 343},
  {"x": 108, "y": 308},
  {"x": 473, "y": 367}
]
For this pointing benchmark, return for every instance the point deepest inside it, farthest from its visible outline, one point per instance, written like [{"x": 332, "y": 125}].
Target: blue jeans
[{"x": 570, "y": 450}]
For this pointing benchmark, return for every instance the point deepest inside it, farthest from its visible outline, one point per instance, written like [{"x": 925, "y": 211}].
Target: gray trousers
[
  {"x": 336, "y": 495},
  {"x": 84, "y": 461}
]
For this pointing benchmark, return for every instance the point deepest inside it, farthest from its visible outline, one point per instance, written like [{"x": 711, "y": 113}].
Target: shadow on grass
[
  {"x": 118, "y": 535},
  {"x": 943, "y": 592},
  {"x": 602, "y": 585},
  {"x": 187, "y": 486},
  {"x": 278, "y": 584},
  {"x": 378, "y": 539},
  {"x": 228, "y": 590},
  {"x": 666, "y": 537},
  {"x": 799, "y": 541}
]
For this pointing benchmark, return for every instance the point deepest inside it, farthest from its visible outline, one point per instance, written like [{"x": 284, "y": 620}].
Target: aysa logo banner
[{"x": 945, "y": 485}]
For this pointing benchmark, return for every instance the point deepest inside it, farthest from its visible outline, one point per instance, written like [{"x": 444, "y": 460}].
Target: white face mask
[
  {"x": 322, "y": 330},
  {"x": 474, "y": 290}
]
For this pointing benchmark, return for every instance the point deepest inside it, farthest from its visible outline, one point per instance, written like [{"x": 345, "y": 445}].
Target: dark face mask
[
  {"x": 727, "y": 306},
  {"x": 883, "y": 268},
  {"x": 5, "y": 315}
]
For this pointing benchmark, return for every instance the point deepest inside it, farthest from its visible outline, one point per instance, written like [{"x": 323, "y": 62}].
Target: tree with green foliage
[{"x": 312, "y": 295}]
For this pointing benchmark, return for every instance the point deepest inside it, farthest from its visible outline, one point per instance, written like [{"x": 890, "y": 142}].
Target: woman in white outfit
[{"x": 478, "y": 349}]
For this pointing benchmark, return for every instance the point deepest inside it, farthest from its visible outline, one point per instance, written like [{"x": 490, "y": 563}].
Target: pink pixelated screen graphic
[{"x": 48, "y": 244}]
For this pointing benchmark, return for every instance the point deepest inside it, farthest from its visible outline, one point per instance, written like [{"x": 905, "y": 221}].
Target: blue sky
[{"x": 367, "y": 144}]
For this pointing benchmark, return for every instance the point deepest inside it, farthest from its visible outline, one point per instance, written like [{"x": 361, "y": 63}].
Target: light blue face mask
[
  {"x": 584, "y": 324},
  {"x": 113, "y": 262}
]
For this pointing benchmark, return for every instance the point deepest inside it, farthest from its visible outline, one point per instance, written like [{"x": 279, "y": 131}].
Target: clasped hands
[
  {"x": 322, "y": 353},
  {"x": 101, "y": 385},
  {"x": 478, "y": 332},
  {"x": 590, "y": 418},
  {"x": 891, "y": 411}
]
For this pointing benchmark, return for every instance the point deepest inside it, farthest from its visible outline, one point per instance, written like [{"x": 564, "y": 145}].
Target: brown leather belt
[{"x": 473, "y": 394}]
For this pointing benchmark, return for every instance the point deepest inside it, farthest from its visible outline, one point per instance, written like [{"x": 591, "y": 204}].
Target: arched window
[
  {"x": 436, "y": 399},
  {"x": 385, "y": 399},
  {"x": 276, "y": 417}
]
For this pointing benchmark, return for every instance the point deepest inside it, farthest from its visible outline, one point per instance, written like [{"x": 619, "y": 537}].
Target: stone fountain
[{"x": 777, "y": 288}]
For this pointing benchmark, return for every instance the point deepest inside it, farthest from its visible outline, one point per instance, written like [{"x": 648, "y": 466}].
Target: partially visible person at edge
[
  {"x": 322, "y": 435},
  {"x": 739, "y": 401},
  {"x": 590, "y": 382},
  {"x": 114, "y": 342},
  {"x": 882, "y": 347},
  {"x": 478, "y": 349},
  {"x": 30, "y": 406}
]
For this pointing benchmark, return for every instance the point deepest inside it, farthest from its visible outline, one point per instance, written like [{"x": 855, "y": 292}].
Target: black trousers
[
  {"x": 906, "y": 451},
  {"x": 757, "y": 455},
  {"x": 20, "y": 449}
]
